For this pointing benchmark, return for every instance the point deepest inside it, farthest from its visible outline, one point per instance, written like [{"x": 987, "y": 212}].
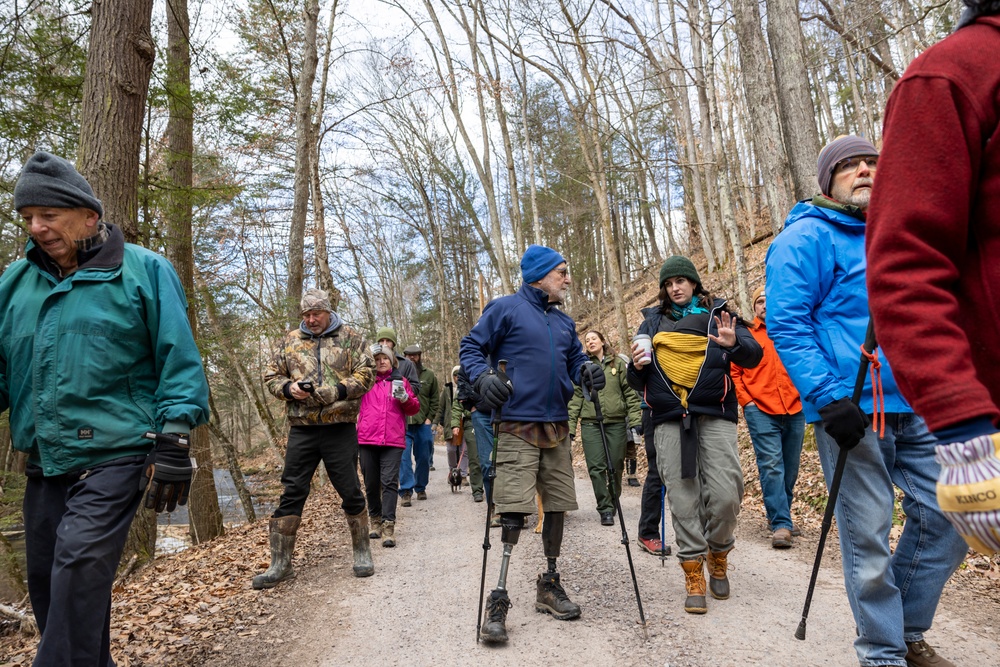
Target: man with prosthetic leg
[{"x": 531, "y": 391}]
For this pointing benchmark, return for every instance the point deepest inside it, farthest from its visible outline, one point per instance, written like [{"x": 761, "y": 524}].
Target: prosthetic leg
[
  {"x": 551, "y": 597},
  {"x": 495, "y": 628}
]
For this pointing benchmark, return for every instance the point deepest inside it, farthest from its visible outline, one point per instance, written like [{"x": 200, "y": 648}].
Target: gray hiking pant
[{"x": 703, "y": 510}]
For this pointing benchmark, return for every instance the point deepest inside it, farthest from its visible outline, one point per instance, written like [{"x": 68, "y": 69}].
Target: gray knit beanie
[
  {"x": 48, "y": 180},
  {"x": 679, "y": 266},
  {"x": 839, "y": 149}
]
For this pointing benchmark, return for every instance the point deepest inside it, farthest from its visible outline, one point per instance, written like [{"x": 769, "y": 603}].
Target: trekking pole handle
[
  {"x": 588, "y": 378},
  {"x": 869, "y": 346},
  {"x": 502, "y": 374}
]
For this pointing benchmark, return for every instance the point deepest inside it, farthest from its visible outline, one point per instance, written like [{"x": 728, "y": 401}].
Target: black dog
[{"x": 455, "y": 479}]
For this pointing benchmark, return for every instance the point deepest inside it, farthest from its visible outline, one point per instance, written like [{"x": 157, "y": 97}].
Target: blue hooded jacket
[
  {"x": 817, "y": 307},
  {"x": 543, "y": 354}
]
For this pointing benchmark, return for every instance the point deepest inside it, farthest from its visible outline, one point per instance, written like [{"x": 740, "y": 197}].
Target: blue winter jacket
[
  {"x": 543, "y": 354},
  {"x": 91, "y": 362},
  {"x": 817, "y": 307}
]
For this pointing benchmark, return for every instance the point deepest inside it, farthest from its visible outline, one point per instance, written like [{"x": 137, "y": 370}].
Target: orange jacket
[{"x": 767, "y": 385}]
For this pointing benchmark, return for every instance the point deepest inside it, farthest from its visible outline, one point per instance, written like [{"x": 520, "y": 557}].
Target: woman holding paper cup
[
  {"x": 381, "y": 439},
  {"x": 687, "y": 385}
]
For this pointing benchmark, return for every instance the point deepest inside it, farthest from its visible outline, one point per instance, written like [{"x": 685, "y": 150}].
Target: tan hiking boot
[
  {"x": 781, "y": 539},
  {"x": 376, "y": 527},
  {"x": 282, "y": 538},
  {"x": 363, "y": 565},
  {"x": 389, "y": 534},
  {"x": 718, "y": 582},
  {"x": 694, "y": 582}
]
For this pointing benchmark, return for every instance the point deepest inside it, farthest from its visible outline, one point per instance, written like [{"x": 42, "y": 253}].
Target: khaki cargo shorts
[{"x": 523, "y": 468}]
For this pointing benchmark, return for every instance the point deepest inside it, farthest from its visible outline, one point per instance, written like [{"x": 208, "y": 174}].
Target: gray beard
[{"x": 860, "y": 198}]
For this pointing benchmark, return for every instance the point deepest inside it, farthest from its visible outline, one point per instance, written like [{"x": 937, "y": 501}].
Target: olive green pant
[
  {"x": 472, "y": 451},
  {"x": 597, "y": 466},
  {"x": 523, "y": 470}
]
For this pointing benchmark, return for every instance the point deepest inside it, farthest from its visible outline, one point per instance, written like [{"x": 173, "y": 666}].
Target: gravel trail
[{"x": 420, "y": 607}]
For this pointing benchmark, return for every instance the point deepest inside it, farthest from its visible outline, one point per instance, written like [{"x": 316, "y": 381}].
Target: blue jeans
[
  {"x": 484, "y": 443},
  {"x": 893, "y": 596},
  {"x": 777, "y": 442},
  {"x": 419, "y": 443}
]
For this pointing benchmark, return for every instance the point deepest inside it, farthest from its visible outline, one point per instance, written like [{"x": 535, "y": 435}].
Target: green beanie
[
  {"x": 386, "y": 332},
  {"x": 679, "y": 266}
]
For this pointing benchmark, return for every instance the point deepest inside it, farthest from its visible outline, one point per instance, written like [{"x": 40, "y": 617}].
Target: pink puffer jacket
[{"x": 382, "y": 419}]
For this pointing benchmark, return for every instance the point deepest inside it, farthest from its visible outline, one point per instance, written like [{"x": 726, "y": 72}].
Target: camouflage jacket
[{"x": 340, "y": 356}]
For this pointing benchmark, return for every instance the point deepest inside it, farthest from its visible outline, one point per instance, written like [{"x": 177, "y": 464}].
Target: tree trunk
[
  {"x": 480, "y": 158},
  {"x": 536, "y": 228},
  {"x": 303, "y": 134},
  {"x": 12, "y": 589},
  {"x": 115, "y": 85},
  {"x": 324, "y": 278},
  {"x": 701, "y": 52},
  {"x": 758, "y": 84},
  {"x": 234, "y": 464},
  {"x": 140, "y": 547},
  {"x": 237, "y": 369},
  {"x": 203, "y": 510},
  {"x": 794, "y": 100},
  {"x": 725, "y": 187}
]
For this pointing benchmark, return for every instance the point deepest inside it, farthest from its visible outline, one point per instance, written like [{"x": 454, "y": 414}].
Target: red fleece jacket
[{"x": 933, "y": 237}]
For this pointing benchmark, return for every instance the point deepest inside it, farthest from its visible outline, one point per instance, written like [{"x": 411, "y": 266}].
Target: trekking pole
[
  {"x": 663, "y": 523},
  {"x": 490, "y": 475},
  {"x": 838, "y": 472},
  {"x": 589, "y": 378}
]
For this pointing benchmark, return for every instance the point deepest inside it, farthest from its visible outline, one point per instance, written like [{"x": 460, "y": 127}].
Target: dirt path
[{"x": 420, "y": 607}]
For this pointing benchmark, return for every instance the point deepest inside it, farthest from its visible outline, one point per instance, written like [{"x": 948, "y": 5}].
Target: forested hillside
[{"x": 402, "y": 154}]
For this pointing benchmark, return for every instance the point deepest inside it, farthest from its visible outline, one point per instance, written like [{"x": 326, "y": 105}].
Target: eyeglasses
[
  {"x": 563, "y": 271},
  {"x": 851, "y": 164}
]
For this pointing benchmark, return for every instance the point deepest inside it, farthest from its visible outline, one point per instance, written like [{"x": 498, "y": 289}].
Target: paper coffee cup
[{"x": 646, "y": 344}]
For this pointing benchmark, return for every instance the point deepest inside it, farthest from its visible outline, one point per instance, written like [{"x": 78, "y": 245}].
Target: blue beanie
[
  {"x": 48, "y": 180},
  {"x": 537, "y": 261}
]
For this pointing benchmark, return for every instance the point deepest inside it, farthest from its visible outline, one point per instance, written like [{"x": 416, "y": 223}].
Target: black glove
[
  {"x": 591, "y": 372},
  {"x": 845, "y": 422},
  {"x": 169, "y": 463},
  {"x": 492, "y": 389}
]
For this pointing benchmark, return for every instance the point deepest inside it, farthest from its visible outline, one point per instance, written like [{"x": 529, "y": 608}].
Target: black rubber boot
[
  {"x": 282, "y": 538},
  {"x": 495, "y": 627},
  {"x": 552, "y": 598}
]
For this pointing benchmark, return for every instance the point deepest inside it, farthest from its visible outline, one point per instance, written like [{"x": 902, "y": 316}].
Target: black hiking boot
[
  {"x": 552, "y": 598},
  {"x": 495, "y": 628}
]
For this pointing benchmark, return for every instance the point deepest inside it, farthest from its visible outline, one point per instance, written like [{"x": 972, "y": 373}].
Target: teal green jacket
[
  {"x": 619, "y": 402},
  {"x": 91, "y": 362}
]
